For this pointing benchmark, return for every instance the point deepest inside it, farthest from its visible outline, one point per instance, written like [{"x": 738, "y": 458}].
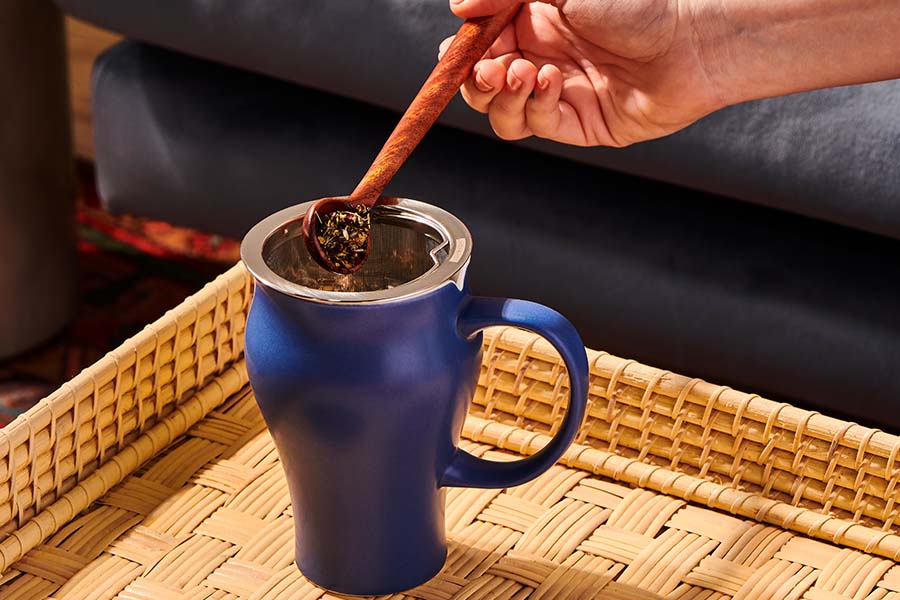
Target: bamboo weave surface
[{"x": 159, "y": 481}]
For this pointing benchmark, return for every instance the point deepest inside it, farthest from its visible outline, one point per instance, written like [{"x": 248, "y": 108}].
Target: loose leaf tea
[{"x": 344, "y": 237}]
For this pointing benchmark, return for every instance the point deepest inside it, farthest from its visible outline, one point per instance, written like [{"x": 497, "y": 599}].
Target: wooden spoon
[{"x": 342, "y": 222}]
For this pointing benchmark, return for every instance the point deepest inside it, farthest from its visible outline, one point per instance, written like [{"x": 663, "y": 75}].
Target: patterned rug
[{"x": 131, "y": 271}]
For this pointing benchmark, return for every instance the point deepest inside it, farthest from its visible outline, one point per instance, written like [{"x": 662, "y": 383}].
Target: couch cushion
[
  {"x": 695, "y": 283},
  {"x": 832, "y": 154}
]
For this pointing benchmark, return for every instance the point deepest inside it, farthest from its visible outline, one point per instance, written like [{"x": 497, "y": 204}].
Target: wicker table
[{"x": 151, "y": 476}]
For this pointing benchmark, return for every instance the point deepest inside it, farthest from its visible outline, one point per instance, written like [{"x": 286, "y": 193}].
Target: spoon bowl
[{"x": 318, "y": 214}]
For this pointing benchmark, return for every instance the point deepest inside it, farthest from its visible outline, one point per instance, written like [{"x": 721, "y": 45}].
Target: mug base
[{"x": 393, "y": 583}]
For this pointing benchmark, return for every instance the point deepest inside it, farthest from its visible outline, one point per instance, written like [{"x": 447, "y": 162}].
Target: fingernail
[
  {"x": 514, "y": 83},
  {"x": 481, "y": 84},
  {"x": 457, "y": 2},
  {"x": 543, "y": 84}
]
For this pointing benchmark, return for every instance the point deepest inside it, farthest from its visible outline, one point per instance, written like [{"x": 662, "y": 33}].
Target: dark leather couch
[{"x": 757, "y": 248}]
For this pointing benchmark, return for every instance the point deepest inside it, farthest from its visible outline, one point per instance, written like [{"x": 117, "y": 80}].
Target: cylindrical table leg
[{"x": 37, "y": 231}]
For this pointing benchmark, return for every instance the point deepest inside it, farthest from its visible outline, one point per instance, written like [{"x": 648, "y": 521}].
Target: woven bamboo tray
[{"x": 151, "y": 476}]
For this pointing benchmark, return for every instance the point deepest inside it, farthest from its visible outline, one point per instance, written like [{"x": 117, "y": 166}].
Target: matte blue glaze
[{"x": 365, "y": 403}]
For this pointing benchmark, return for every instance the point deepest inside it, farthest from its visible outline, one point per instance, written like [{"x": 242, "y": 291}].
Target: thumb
[{"x": 480, "y": 8}]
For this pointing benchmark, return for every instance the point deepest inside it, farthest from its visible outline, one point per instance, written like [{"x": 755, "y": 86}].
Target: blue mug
[{"x": 364, "y": 382}]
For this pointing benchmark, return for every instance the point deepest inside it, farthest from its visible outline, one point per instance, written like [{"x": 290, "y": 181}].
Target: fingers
[
  {"x": 487, "y": 80},
  {"x": 501, "y": 87},
  {"x": 542, "y": 111},
  {"x": 507, "y": 110},
  {"x": 521, "y": 101},
  {"x": 479, "y": 8},
  {"x": 442, "y": 49},
  {"x": 488, "y": 76},
  {"x": 504, "y": 44}
]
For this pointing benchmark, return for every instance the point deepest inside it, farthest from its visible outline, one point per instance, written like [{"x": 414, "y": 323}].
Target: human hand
[
  {"x": 590, "y": 72},
  {"x": 616, "y": 72}
]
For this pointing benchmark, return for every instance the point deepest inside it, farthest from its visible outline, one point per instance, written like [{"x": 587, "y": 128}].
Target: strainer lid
[{"x": 416, "y": 248}]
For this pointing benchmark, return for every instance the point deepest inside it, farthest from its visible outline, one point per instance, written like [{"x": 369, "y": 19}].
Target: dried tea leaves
[{"x": 344, "y": 237}]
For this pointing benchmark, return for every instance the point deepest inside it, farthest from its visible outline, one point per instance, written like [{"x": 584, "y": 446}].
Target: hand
[{"x": 590, "y": 72}]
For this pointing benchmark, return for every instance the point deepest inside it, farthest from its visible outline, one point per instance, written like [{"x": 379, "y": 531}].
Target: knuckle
[
  {"x": 476, "y": 101},
  {"x": 507, "y": 137},
  {"x": 509, "y": 106},
  {"x": 508, "y": 133},
  {"x": 541, "y": 122}
]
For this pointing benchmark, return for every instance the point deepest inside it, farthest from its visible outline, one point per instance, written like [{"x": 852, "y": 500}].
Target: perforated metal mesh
[{"x": 402, "y": 250}]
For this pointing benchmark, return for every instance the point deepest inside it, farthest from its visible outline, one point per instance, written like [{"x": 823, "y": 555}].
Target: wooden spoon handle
[{"x": 472, "y": 40}]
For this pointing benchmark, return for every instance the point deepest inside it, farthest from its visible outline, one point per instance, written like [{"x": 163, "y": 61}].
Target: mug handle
[{"x": 466, "y": 470}]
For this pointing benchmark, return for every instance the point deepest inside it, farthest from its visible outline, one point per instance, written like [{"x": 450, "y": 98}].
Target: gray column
[{"x": 37, "y": 232}]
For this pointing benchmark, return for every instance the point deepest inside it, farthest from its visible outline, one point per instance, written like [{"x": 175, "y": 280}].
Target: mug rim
[{"x": 452, "y": 270}]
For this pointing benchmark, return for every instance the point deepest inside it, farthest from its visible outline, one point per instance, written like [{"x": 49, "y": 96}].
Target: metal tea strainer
[{"x": 416, "y": 247}]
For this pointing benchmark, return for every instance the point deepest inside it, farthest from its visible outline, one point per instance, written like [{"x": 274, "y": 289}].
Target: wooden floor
[{"x": 85, "y": 42}]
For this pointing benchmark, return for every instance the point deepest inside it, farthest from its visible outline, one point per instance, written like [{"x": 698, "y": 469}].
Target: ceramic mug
[{"x": 364, "y": 382}]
